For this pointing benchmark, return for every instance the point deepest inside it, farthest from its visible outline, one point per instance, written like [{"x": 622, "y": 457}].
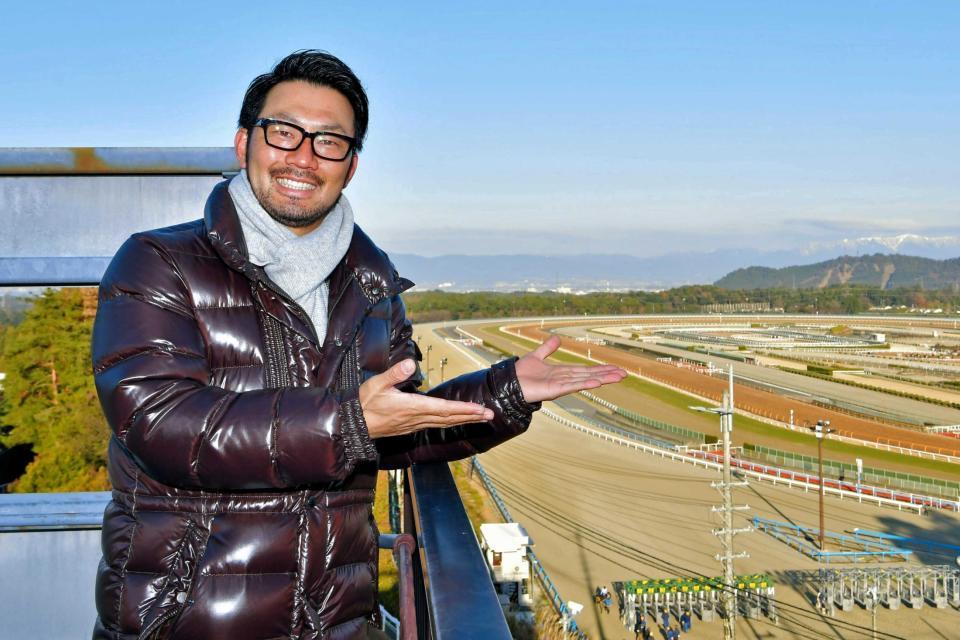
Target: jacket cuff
[
  {"x": 506, "y": 389},
  {"x": 357, "y": 445}
]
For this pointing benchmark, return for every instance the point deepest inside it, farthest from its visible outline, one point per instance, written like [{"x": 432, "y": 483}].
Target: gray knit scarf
[{"x": 300, "y": 265}]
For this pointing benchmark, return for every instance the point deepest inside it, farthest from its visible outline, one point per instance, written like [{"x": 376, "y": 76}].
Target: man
[{"x": 256, "y": 368}]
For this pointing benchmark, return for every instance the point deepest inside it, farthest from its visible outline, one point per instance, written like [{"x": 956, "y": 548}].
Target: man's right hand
[{"x": 390, "y": 412}]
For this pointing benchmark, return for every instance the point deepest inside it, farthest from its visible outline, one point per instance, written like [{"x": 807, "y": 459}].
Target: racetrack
[
  {"x": 752, "y": 400},
  {"x": 600, "y": 513}
]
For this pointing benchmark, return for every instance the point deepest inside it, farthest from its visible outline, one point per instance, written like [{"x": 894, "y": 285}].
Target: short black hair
[{"x": 316, "y": 67}]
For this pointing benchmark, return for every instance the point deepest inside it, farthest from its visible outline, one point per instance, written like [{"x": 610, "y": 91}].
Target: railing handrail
[
  {"x": 459, "y": 592},
  {"x": 52, "y": 511},
  {"x": 100, "y": 161},
  {"x": 461, "y": 601},
  {"x": 762, "y": 472}
]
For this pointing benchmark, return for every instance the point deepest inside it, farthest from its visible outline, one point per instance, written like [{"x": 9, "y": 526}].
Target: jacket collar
[{"x": 365, "y": 262}]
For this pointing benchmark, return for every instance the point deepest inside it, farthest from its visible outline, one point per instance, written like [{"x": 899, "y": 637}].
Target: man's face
[{"x": 297, "y": 188}]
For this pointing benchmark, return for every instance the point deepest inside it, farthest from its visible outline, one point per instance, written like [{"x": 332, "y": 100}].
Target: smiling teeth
[{"x": 293, "y": 184}]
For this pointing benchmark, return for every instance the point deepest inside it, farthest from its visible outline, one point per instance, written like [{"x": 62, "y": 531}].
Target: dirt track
[
  {"x": 755, "y": 401},
  {"x": 599, "y": 513}
]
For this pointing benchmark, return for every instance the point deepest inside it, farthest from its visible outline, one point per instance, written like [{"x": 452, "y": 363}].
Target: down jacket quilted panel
[{"x": 242, "y": 473}]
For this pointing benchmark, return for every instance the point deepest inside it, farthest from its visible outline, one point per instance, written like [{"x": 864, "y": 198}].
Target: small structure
[{"x": 505, "y": 547}]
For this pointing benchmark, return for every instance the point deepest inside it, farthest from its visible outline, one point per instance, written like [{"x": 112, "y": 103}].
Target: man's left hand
[{"x": 541, "y": 381}]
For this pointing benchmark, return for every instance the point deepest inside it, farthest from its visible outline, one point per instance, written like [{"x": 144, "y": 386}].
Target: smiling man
[{"x": 257, "y": 369}]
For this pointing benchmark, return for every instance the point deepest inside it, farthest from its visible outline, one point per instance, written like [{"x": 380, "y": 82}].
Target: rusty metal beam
[{"x": 109, "y": 161}]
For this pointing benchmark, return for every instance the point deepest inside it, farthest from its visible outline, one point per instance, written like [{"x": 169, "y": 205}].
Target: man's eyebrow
[{"x": 289, "y": 117}]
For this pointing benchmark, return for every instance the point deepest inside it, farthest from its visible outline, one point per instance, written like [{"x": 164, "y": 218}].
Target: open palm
[{"x": 542, "y": 381}]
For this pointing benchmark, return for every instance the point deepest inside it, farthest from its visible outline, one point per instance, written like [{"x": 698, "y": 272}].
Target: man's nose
[{"x": 303, "y": 155}]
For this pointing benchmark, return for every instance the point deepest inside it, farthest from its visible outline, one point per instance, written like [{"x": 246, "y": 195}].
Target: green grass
[
  {"x": 474, "y": 496},
  {"x": 525, "y": 345},
  {"x": 389, "y": 586},
  {"x": 744, "y": 426}
]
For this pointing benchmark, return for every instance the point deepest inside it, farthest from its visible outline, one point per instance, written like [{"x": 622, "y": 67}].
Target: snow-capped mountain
[{"x": 934, "y": 247}]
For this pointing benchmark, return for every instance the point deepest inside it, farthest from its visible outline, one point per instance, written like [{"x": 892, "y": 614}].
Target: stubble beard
[{"x": 292, "y": 215}]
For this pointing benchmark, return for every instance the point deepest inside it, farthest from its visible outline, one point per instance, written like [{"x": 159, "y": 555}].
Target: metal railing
[
  {"x": 907, "y": 482},
  {"x": 710, "y": 459},
  {"x": 455, "y": 597},
  {"x": 50, "y": 550}
]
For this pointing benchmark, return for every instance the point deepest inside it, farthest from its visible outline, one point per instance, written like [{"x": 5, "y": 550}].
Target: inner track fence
[
  {"x": 708, "y": 457},
  {"x": 845, "y": 470},
  {"x": 559, "y": 604}
]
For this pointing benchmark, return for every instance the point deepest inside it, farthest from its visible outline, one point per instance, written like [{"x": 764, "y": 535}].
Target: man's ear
[
  {"x": 240, "y": 146},
  {"x": 354, "y": 159}
]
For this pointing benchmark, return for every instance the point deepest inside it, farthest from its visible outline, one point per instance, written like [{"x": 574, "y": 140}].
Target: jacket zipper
[
  {"x": 152, "y": 632},
  {"x": 297, "y": 309}
]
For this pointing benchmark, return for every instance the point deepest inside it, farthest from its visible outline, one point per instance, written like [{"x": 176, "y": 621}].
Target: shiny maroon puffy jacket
[{"x": 242, "y": 473}]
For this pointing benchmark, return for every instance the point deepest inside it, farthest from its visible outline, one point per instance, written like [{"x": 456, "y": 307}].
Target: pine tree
[{"x": 49, "y": 398}]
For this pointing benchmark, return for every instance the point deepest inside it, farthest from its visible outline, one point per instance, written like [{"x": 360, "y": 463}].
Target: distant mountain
[
  {"x": 603, "y": 272},
  {"x": 911, "y": 244},
  {"x": 879, "y": 270},
  {"x": 583, "y": 272}
]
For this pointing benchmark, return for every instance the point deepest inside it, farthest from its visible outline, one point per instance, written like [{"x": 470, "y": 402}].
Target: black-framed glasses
[{"x": 287, "y": 136}]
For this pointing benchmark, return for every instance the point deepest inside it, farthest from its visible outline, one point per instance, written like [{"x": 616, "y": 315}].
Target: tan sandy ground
[{"x": 600, "y": 513}]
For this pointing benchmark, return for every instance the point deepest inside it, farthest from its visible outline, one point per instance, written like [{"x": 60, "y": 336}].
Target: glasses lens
[
  {"x": 283, "y": 135},
  {"x": 330, "y": 147}
]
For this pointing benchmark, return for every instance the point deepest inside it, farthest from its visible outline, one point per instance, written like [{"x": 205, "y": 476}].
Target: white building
[{"x": 505, "y": 548}]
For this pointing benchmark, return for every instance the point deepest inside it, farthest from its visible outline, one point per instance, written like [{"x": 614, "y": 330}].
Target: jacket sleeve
[
  {"x": 496, "y": 388},
  {"x": 153, "y": 379}
]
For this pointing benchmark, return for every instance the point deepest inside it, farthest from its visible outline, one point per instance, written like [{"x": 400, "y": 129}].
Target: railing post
[{"x": 419, "y": 593}]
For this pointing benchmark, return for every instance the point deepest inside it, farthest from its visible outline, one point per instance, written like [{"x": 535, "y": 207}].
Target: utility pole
[
  {"x": 822, "y": 429},
  {"x": 443, "y": 363},
  {"x": 725, "y": 486}
]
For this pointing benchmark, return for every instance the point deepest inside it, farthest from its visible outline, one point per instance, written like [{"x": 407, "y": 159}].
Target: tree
[{"x": 50, "y": 401}]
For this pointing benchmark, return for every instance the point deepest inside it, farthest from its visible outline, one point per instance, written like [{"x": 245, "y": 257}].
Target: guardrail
[
  {"x": 551, "y": 589},
  {"x": 690, "y": 434},
  {"x": 907, "y": 482},
  {"x": 455, "y": 597},
  {"x": 713, "y": 460}
]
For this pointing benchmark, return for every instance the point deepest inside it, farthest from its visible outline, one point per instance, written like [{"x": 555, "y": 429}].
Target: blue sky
[{"x": 528, "y": 127}]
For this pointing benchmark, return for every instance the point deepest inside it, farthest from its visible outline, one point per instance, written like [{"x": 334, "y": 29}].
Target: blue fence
[{"x": 548, "y": 586}]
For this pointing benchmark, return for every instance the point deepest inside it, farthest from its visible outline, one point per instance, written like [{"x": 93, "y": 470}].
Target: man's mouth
[{"x": 297, "y": 185}]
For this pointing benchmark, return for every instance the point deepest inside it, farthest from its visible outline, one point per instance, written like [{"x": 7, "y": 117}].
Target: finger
[
  {"x": 547, "y": 348},
  {"x": 586, "y": 369},
  {"x": 431, "y": 408},
  {"x": 394, "y": 375},
  {"x": 606, "y": 376},
  {"x": 592, "y": 382}
]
